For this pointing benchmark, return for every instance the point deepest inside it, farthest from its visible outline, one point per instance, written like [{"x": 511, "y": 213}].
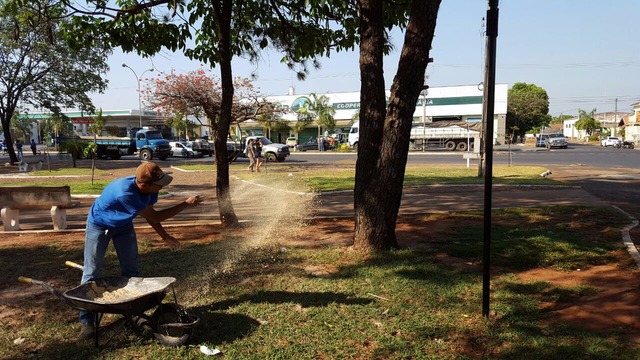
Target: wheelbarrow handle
[
  {"x": 46, "y": 286},
  {"x": 26, "y": 280},
  {"x": 74, "y": 265}
]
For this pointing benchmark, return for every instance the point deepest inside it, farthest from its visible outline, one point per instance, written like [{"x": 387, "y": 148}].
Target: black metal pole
[{"x": 487, "y": 114}]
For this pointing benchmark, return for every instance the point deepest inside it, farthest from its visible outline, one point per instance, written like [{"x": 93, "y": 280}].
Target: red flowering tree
[{"x": 197, "y": 93}]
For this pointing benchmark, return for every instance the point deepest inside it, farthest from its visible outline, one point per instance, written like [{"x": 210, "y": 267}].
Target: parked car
[
  {"x": 292, "y": 142},
  {"x": 556, "y": 140},
  {"x": 542, "y": 140},
  {"x": 184, "y": 149},
  {"x": 3, "y": 147},
  {"x": 202, "y": 145},
  {"x": 311, "y": 144},
  {"x": 613, "y": 141}
]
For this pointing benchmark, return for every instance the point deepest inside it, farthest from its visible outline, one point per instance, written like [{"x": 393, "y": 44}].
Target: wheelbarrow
[{"x": 131, "y": 297}]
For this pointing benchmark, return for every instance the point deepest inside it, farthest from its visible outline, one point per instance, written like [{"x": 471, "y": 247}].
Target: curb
[{"x": 626, "y": 237}]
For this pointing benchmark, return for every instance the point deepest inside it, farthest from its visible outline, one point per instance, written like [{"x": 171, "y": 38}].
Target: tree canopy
[
  {"x": 527, "y": 108},
  {"x": 37, "y": 70},
  {"x": 199, "y": 92},
  {"x": 561, "y": 118}
]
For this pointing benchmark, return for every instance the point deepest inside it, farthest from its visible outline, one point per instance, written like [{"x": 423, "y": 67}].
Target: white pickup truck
[{"x": 270, "y": 151}]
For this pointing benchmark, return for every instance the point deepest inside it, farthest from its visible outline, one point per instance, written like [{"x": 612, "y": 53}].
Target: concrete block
[
  {"x": 10, "y": 219},
  {"x": 59, "y": 218}
]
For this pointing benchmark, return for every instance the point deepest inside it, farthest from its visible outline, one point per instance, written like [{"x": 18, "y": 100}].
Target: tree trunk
[
  {"x": 228, "y": 216},
  {"x": 371, "y": 229},
  {"x": 8, "y": 139},
  {"x": 384, "y": 134}
]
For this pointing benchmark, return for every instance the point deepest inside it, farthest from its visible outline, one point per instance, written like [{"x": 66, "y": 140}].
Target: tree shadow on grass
[
  {"x": 216, "y": 327},
  {"x": 305, "y": 299}
]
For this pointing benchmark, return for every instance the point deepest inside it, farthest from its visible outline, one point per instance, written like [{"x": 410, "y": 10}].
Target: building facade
[
  {"x": 462, "y": 103},
  {"x": 120, "y": 120},
  {"x": 611, "y": 123},
  {"x": 632, "y": 125}
]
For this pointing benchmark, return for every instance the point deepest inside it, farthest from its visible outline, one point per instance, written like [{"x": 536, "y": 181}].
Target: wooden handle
[
  {"x": 74, "y": 265},
  {"x": 25, "y": 280}
]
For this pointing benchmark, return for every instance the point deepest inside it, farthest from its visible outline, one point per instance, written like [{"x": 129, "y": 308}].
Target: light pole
[
  {"x": 424, "y": 93},
  {"x": 138, "y": 81}
]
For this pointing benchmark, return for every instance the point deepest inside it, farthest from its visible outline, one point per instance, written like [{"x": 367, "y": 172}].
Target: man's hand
[
  {"x": 172, "y": 243},
  {"x": 194, "y": 200}
]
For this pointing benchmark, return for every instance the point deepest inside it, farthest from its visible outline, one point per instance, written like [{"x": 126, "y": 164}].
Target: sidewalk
[{"x": 424, "y": 199}]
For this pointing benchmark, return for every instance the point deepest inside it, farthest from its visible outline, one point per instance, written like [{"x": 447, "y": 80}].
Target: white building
[
  {"x": 609, "y": 121},
  {"x": 569, "y": 129},
  {"x": 442, "y": 103},
  {"x": 632, "y": 125}
]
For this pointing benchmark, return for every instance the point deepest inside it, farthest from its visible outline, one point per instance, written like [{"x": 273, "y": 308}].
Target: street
[{"x": 586, "y": 155}]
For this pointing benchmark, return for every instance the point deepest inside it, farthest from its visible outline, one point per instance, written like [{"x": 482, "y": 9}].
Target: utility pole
[
  {"x": 424, "y": 92},
  {"x": 615, "y": 119},
  {"x": 487, "y": 118}
]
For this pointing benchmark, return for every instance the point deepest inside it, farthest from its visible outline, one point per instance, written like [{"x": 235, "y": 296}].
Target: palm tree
[
  {"x": 178, "y": 122},
  {"x": 74, "y": 147},
  {"x": 587, "y": 122},
  {"x": 99, "y": 123},
  {"x": 305, "y": 118},
  {"x": 322, "y": 114}
]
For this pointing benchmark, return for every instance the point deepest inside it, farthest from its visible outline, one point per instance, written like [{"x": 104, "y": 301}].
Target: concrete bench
[
  {"x": 57, "y": 199},
  {"x": 31, "y": 162}
]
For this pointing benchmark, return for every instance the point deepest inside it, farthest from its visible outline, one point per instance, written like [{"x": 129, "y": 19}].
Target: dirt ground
[{"x": 616, "y": 306}]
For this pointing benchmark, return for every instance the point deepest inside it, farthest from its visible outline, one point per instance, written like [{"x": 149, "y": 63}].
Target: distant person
[
  {"x": 257, "y": 152},
  {"x": 251, "y": 155},
  {"x": 111, "y": 219},
  {"x": 34, "y": 147},
  {"x": 19, "y": 148}
]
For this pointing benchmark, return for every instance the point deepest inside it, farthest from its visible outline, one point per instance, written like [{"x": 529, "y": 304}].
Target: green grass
[
  {"x": 67, "y": 172},
  {"x": 265, "y": 303},
  {"x": 549, "y": 242},
  {"x": 313, "y": 179},
  {"x": 195, "y": 166},
  {"x": 331, "y": 179},
  {"x": 77, "y": 187}
]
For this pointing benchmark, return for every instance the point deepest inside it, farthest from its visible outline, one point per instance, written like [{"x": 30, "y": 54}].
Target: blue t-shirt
[{"x": 119, "y": 203}]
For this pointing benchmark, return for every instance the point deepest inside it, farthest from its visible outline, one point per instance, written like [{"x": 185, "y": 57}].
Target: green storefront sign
[{"x": 444, "y": 101}]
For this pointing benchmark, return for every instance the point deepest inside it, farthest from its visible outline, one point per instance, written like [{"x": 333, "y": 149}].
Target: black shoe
[{"x": 87, "y": 332}]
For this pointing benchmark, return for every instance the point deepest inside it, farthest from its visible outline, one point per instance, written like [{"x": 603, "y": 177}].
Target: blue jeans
[{"x": 96, "y": 241}]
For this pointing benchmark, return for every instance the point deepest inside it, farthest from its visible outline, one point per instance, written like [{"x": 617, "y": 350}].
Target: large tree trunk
[
  {"x": 384, "y": 135},
  {"x": 5, "y": 118},
  {"x": 228, "y": 216},
  {"x": 371, "y": 229}
]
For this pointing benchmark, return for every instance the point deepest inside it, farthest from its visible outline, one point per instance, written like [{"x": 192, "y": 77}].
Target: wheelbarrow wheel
[{"x": 172, "y": 326}]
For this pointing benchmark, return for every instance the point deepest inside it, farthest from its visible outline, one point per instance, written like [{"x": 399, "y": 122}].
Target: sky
[{"x": 583, "y": 53}]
